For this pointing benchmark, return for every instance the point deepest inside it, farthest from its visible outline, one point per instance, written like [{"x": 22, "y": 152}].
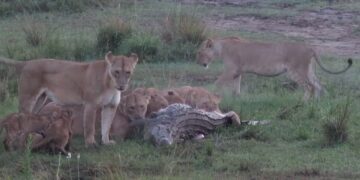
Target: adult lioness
[
  {"x": 95, "y": 85},
  {"x": 267, "y": 59}
]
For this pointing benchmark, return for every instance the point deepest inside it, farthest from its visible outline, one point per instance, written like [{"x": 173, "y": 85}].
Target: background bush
[
  {"x": 112, "y": 34},
  {"x": 145, "y": 45},
  {"x": 182, "y": 33}
]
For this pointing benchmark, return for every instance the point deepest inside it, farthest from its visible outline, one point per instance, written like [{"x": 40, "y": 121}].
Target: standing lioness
[
  {"x": 266, "y": 59},
  {"x": 95, "y": 85}
]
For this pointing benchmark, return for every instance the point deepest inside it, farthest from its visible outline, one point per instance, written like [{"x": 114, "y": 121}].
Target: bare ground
[{"x": 331, "y": 31}]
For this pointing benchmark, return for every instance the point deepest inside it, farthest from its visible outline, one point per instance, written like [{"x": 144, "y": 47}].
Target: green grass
[{"x": 292, "y": 146}]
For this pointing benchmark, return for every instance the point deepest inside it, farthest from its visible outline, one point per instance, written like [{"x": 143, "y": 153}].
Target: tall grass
[
  {"x": 184, "y": 28},
  {"x": 35, "y": 33},
  {"x": 336, "y": 127}
]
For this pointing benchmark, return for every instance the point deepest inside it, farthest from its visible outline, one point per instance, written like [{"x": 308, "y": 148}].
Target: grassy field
[{"x": 294, "y": 146}]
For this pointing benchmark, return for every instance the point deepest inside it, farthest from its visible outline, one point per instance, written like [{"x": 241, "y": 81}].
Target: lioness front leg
[
  {"x": 237, "y": 85},
  {"x": 107, "y": 117},
  {"x": 224, "y": 78},
  {"x": 89, "y": 124}
]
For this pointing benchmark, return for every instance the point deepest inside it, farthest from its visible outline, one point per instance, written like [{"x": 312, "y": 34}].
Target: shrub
[
  {"x": 34, "y": 33},
  {"x": 83, "y": 50},
  {"x": 182, "y": 33},
  {"x": 335, "y": 128},
  {"x": 111, "y": 35},
  {"x": 184, "y": 28},
  {"x": 144, "y": 45},
  {"x": 179, "y": 51}
]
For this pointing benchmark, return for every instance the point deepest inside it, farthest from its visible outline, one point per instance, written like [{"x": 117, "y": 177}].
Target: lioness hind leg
[
  {"x": 28, "y": 95},
  {"x": 89, "y": 124},
  {"x": 315, "y": 82}
]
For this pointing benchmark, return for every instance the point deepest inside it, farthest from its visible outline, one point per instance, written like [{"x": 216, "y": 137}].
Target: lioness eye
[
  {"x": 128, "y": 72},
  {"x": 117, "y": 73},
  {"x": 132, "y": 107}
]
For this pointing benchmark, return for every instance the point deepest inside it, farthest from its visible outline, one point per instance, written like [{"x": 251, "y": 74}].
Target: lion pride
[
  {"x": 94, "y": 85},
  {"x": 266, "y": 59}
]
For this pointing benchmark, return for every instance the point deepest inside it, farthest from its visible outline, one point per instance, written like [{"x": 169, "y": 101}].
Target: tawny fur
[
  {"x": 172, "y": 97},
  {"x": 57, "y": 135},
  {"x": 199, "y": 97},
  {"x": 157, "y": 100},
  {"x": 19, "y": 125}
]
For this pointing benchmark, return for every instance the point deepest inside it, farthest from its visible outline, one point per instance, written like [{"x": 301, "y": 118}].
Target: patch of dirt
[{"x": 330, "y": 31}]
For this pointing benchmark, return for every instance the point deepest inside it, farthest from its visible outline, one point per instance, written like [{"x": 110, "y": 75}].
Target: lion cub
[
  {"x": 19, "y": 125},
  {"x": 199, "y": 97},
  {"x": 57, "y": 135},
  {"x": 173, "y": 97},
  {"x": 157, "y": 100}
]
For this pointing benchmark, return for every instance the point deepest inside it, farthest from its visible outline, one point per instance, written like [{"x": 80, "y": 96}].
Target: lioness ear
[
  {"x": 209, "y": 43},
  {"x": 108, "y": 57},
  {"x": 135, "y": 56}
]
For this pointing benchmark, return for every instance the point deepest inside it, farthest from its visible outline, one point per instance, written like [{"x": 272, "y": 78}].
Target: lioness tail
[
  {"x": 17, "y": 64},
  {"x": 317, "y": 59}
]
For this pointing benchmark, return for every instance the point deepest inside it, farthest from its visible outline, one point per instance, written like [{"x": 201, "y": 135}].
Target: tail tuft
[{"x": 350, "y": 61}]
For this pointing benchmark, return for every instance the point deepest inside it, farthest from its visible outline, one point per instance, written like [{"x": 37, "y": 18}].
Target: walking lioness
[
  {"x": 266, "y": 59},
  {"x": 95, "y": 85}
]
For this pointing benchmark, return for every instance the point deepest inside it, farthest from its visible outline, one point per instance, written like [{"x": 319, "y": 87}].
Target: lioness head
[
  {"x": 206, "y": 53},
  {"x": 120, "y": 69},
  {"x": 135, "y": 105}
]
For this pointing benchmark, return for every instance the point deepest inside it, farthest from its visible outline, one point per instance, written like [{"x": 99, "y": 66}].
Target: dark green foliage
[
  {"x": 112, "y": 34},
  {"x": 145, "y": 45}
]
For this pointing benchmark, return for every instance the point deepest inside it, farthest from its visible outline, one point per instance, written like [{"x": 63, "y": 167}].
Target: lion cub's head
[
  {"x": 120, "y": 69},
  {"x": 206, "y": 53},
  {"x": 209, "y": 104},
  {"x": 134, "y": 105},
  {"x": 203, "y": 99},
  {"x": 157, "y": 100},
  {"x": 173, "y": 97}
]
